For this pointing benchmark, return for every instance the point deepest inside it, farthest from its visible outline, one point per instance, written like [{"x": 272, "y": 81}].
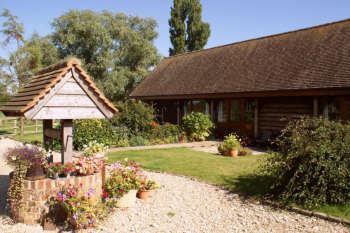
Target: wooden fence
[{"x": 15, "y": 123}]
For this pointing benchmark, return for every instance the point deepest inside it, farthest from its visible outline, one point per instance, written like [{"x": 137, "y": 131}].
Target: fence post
[
  {"x": 22, "y": 131},
  {"x": 15, "y": 127},
  {"x": 36, "y": 125}
]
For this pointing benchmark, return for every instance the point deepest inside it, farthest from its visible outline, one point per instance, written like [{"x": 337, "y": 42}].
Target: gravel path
[{"x": 186, "y": 205}]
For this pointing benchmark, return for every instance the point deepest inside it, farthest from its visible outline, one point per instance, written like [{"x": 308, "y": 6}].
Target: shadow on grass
[{"x": 249, "y": 185}]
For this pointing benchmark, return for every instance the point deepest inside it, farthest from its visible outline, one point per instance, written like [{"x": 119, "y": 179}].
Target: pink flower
[
  {"x": 86, "y": 195},
  {"x": 73, "y": 204},
  {"x": 72, "y": 193},
  {"x": 70, "y": 186}
]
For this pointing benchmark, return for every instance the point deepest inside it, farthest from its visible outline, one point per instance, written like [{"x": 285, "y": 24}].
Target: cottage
[{"x": 247, "y": 87}]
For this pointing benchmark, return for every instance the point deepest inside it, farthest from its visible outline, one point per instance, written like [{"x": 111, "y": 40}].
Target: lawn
[
  {"x": 236, "y": 173},
  {"x": 30, "y": 137}
]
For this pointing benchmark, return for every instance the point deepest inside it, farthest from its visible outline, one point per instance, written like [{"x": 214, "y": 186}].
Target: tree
[
  {"x": 18, "y": 69},
  {"x": 116, "y": 50},
  {"x": 192, "y": 36}
]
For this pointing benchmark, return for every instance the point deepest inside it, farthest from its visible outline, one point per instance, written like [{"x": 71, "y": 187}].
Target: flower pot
[
  {"x": 144, "y": 194},
  {"x": 74, "y": 224},
  {"x": 56, "y": 176},
  {"x": 99, "y": 155},
  {"x": 232, "y": 153},
  {"x": 35, "y": 173},
  {"x": 86, "y": 174},
  {"x": 128, "y": 200}
]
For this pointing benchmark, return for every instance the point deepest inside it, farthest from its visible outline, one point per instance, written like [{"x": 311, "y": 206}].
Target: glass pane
[
  {"x": 334, "y": 110},
  {"x": 248, "y": 112},
  {"x": 236, "y": 111},
  {"x": 187, "y": 108},
  {"x": 222, "y": 111},
  {"x": 196, "y": 106},
  {"x": 205, "y": 107}
]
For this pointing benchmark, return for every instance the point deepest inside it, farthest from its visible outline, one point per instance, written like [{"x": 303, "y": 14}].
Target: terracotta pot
[
  {"x": 144, "y": 194},
  {"x": 128, "y": 200},
  {"x": 232, "y": 153},
  {"x": 35, "y": 173},
  {"x": 74, "y": 224}
]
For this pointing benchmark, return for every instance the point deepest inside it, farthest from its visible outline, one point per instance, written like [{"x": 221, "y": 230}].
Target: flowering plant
[
  {"x": 52, "y": 168},
  {"x": 244, "y": 151},
  {"x": 150, "y": 185},
  {"x": 85, "y": 165},
  {"x": 123, "y": 177},
  {"x": 77, "y": 204},
  {"x": 32, "y": 157},
  {"x": 95, "y": 147},
  {"x": 231, "y": 142}
]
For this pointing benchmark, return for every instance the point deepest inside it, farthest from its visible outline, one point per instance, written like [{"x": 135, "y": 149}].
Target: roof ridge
[
  {"x": 59, "y": 65},
  {"x": 263, "y": 37}
]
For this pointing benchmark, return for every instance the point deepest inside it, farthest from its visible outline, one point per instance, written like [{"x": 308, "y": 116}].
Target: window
[
  {"x": 197, "y": 106},
  {"x": 222, "y": 111},
  {"x": 235, "y": 111},
  {"x": 248, "y": 112},
  {"x": 187, "y": 108},
  {"x": 205, "y": 107},
  {"x": 332, "y": 110}
]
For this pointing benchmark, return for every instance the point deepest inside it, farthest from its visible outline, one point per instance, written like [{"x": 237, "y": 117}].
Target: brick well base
[{"x": 36, "y": 194}]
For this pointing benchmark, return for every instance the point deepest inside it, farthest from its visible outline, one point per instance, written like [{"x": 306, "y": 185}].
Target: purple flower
[
  {"x": 60, "y": 193},
  {"x": 81, "y": 224},
  {"x": 75, "y": 216},
  {"x": 115, "y": 199},
  {"x": 79, "y": 213},
  {"x": 91, "y": 192},
  {"x": 107, "y": 199}
]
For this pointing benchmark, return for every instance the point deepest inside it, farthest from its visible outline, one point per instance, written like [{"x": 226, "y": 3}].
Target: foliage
[
  {"x": 15, "y": 191},
  {"x": 138, "y": 141},
  {"x": 122, "y": 134},
  {"x": 192, "y": 36},
  {"x": 247, "y": 141},
  {"x": 17, "y": 70},
  {"x": 117, "y": 50},
  {"x": 85, "y": 165},
  {"x": 136, "y": 116},
  {"x": 87, "y": 130},
  {"x": 244, "y": 151},
  {"x": 197, "y": 125},
  {"x": 95, "y": 147},
  {"x": 231, "y": 142},
  {"x": 182, "y": 137},
  {"x": 221, "y": 149},
  {"x": 78, "y": 205},
  {"x": 32, "y": 157},
  {"x": 312, "y": 165},
  {"x": 170, "y": 130},
  {"x": 123, "y": 177},
  {"x": 150, "y": 185}
]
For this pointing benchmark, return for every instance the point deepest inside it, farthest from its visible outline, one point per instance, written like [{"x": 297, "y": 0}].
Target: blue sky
[{"x": 230, "y": 21}]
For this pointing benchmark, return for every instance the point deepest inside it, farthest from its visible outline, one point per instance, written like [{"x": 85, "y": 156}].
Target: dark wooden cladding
[{"x": 272, "y": 112}]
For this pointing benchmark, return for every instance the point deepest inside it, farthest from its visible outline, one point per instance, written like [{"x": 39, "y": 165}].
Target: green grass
[
  {"x": 236, "y": 173},
  {"x": 30, "y": 137},
  {"x": 1, "y": 114}
]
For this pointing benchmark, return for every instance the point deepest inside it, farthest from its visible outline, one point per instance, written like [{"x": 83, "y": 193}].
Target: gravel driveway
[{"x": 186, "y": 205}]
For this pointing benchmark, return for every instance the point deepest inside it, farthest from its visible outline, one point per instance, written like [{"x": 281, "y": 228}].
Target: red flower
[
  {"x": 105, "y": 194},
  {"x": 142, "y": 183},
  {"x": 57, "y": 163},
  {"x": 122, "y": 191},
  {"x": 81, "y": 185}
]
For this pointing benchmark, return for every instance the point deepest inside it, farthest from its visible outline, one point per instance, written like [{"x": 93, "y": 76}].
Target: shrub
[
  {"x": 137, "y": 141},
  {"x": 135, "y": 115},
  {"x": 312, "y": 165},
  {"x": 87, "y": 130},
  {"x": 197, "y": 125}
]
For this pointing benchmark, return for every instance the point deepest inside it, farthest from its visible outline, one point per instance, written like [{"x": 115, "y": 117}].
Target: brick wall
[{"x": 37, "y": 193}]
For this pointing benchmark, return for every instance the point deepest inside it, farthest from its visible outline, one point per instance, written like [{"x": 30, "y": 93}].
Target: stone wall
[{"x": 37, "y": 193}]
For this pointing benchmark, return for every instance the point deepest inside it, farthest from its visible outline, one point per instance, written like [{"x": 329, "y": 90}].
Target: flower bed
[{"x": 36, "y": 194}]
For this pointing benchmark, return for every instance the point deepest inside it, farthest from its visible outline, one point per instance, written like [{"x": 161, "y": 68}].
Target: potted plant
[
  {"x": 124, "y": 181},
  {"x": 231, "y": 144},
  {"x": 221, "y": 149},
  {"x": 79, "y": 206},
  {"x": 31, "y": 158},
  {"x": 244, "y": 151},
  {"x": 53, "y": 169},
  {"x": 87, "y": 165},
  {"x": 146, "y": 187},
  {"x": 95, "y": 149}
]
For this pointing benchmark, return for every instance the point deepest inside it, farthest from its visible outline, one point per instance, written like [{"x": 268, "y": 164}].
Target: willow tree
[
  {"x": 192, "y": 35},
  {"x": 116, "y": 50}
]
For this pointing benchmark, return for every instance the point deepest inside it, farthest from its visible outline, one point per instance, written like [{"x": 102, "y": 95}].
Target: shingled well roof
[
  {"x": 307, "y": 59},
  {"x": 45, "y": 79}
]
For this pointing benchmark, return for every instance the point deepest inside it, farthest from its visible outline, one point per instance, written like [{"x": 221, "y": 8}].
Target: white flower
[{"x": 126, "y": 159}]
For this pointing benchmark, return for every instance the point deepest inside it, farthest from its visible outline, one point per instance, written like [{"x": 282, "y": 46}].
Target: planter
[
  {"x": 74, "y": 224},
  {"x": 99, "y": 155},
  {"x": 86, "y": 174},
  {"x": 35, "y": 173},
  {"x": 144, "y": 194},
  {"x": 57, "y": 176},
  {"x": 128, "y": 200},
  {"x": 103, "y": 169},
  {"x": 232, "y": 153}
]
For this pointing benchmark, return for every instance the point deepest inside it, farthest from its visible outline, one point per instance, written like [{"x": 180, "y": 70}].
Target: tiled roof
[
  {"x": 45, "y": 79},
  {"x": 306, "y": 59}
]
